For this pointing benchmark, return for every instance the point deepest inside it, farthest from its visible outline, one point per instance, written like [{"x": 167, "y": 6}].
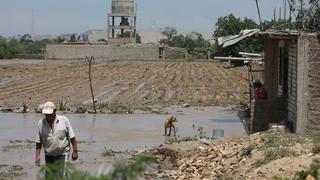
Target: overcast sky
[{"x": 73, "y": 16}]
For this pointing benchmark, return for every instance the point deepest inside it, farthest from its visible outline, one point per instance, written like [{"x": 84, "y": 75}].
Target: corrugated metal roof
[{"x": 231, "y": 40}]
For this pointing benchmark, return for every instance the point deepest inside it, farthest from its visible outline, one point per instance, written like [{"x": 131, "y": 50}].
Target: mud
[{"x": 117, "y": 132}]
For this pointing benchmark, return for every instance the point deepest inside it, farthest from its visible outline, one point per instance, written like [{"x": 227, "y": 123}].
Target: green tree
[
  {"x": 231, "y": 25},
  {"x": 179, "y": 41},
  {"x": 15, "y": 47},
  {"x": 4, "y": 52},
  {"x": 169, "y": 33},
  {"x": 307, "y": 14}
]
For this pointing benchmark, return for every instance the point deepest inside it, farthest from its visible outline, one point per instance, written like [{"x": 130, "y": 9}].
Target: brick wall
[
  {"x": 264, "y": 112},
  {"x": 313, "y": 101}
]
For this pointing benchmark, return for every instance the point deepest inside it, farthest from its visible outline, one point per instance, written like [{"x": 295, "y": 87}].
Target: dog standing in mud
[{"x": 170, "y": 123}]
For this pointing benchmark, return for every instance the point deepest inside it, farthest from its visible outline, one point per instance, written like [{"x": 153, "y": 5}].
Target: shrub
[
  {"x": 62, "y": 104},
  {"x": 102, "y": 105},
  {"x": 314, "y": 171},
  {"x": 81, "y": 109}
]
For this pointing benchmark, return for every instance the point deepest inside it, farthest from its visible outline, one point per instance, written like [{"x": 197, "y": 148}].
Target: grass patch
[
  {"x": 279, "y": 145},
  {"x": 274, "y": 140},
  {"x": 274, "y": 154},
  {"x": 119, "y": 108}
]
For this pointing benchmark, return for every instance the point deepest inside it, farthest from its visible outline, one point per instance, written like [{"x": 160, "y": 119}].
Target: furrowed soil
[{"x": 133, "y": 83}]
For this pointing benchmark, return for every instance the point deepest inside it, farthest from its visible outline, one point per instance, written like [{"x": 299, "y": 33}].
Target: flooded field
[{"x": 117, "y": 132}]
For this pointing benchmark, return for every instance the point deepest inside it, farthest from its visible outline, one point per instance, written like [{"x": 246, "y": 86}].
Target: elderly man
[{"x": 55, "y": 134}]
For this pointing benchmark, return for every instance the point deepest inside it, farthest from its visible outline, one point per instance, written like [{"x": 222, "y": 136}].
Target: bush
[
  {"x": 81, "y": 109},
  {"x": 314, "y": 171},
  {"x": 62, "y": 104},
  {"x": 102, "y": 105}
]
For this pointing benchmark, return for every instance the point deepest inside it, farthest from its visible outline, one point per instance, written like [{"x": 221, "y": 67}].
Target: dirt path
[{"x": 133, "y": 83}]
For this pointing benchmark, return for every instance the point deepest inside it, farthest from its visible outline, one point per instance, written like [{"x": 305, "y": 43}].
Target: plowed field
[{"x": 134, "y": 83}]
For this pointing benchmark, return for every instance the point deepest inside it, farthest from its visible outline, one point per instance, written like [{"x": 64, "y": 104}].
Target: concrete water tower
[{"x": 122, "y": 22}]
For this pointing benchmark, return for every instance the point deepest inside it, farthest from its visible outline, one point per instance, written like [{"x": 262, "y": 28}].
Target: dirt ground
[{"x": 134, "y": 83}]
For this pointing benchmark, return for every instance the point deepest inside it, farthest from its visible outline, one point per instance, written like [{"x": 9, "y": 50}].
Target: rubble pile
[
  {"x": 258, "y": 156},
  {"x": 215, "y": 160}
]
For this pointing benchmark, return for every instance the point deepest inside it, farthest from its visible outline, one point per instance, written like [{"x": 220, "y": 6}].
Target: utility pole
[
  {"x": 32, "y": 23},
  {"x": 258, "y": 9},
  {"x": 280, "y": 14},
  {"x": 285, "y": 10}
]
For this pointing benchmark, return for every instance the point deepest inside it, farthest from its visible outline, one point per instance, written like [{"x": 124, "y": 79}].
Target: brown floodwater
[{"x": 117, "y": 132}]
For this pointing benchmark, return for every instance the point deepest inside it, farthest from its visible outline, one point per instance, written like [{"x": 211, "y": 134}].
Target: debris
[
  {"x": 205, "y": 141},
  {"x": 155, "y": 110},
  {"x": 38, "y": 109},
  {"x": 235, "y": 158},
  {"x": 6, "y": 110},
  {"x": 186, "y": 105}
]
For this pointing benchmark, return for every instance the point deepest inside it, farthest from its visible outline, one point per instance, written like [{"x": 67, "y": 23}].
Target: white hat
[{"x": 48, "y": 108}]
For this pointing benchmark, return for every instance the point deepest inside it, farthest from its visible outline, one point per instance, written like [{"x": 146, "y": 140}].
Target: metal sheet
[{"x": 231, "y": 40}]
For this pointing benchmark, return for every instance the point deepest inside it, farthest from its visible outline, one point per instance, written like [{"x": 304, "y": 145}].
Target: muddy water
[{"x": 118, "y": 132}]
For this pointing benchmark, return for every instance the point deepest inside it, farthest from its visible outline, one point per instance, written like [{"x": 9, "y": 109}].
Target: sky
[{"x": 74, "y": 16}]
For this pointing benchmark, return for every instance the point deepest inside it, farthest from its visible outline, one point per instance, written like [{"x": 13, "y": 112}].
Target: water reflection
[
  {"x": 92, "y": 127},
  {"x": 122, "y": 132}
]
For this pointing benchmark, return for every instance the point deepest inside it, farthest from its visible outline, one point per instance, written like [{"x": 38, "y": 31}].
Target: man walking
[{"x": 55, "y": 135}]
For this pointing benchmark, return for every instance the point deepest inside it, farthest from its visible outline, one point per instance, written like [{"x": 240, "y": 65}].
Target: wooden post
[
  {"x": 93, "y": 100},
  {"x": 250, "y": 80}
]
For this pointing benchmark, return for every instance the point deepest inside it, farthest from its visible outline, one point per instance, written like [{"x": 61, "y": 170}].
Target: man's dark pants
[{"x": 58, "y": 167}]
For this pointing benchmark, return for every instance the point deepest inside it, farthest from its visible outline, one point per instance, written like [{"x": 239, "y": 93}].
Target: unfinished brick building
[{"x": 292, "y": 80}]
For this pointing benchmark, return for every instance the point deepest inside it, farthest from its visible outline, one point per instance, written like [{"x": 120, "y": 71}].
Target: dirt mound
[
  {"x": 132, "y": 83},
  {"x": 259, "y": 156}
]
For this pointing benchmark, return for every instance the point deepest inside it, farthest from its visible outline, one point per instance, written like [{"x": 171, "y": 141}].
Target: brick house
[{"x": 292, "y": 80}]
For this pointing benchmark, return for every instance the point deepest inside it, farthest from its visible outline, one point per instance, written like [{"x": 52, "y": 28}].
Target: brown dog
[{"x": 170, "y": 123}]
